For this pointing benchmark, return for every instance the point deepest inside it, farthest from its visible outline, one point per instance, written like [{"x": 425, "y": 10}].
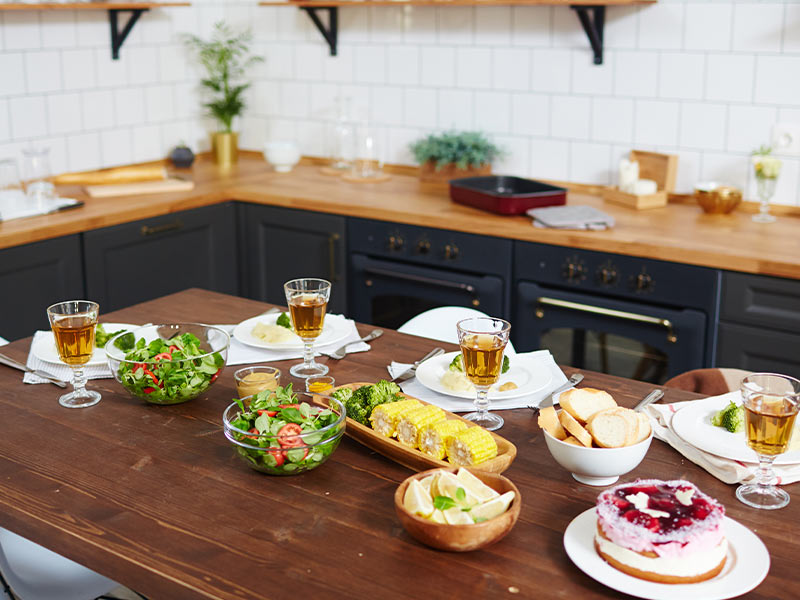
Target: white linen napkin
[
  {"x": 724, "y": 469},
  {"x": 242, "y": 354},
  {"x": 59, "y": 370},
  {"x": 540, "y": 358}
]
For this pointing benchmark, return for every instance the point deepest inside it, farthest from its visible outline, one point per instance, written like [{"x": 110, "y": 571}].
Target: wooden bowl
[
  {"x": 460, "y": 538},
  {"x": 718, "y": 201}
]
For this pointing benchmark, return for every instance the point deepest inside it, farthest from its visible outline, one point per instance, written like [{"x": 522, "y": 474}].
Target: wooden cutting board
[{"x": 144, "y": 187}]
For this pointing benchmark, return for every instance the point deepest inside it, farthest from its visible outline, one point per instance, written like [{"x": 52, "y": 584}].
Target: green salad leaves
[
  {"x": 124, "y": 343},
  {"x": 457, "y": 364}
]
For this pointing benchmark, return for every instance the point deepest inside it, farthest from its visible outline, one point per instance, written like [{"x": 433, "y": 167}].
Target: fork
[{"x": 341, "y": 352}]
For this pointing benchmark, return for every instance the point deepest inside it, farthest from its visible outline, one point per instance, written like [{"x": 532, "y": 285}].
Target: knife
[
  {"x": 412, "y": 370},
  {"x": 5, "y": 360},
  {"x": 653, "y": 396},
  {"x": 574, "y": 380}
]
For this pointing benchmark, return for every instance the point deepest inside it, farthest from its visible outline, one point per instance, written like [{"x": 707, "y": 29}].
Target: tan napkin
[{"x": 724, "y": 469}]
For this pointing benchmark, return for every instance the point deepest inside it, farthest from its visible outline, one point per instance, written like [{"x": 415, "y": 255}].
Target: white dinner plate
[
  {"x": 44, "y": 346},
  {"x": 746, "y": 566},
  {"x": 529, "y": 373},
  {"x": 693, "y": 425},
  {"x": 334, "y": 330}
]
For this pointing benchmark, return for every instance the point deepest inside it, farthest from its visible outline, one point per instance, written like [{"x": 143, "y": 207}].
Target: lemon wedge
[
  {"x": 426, "y": 482},
  {"x": 475, "y": 486},
  {"x": 448, "y": 484},
  {"x": 456, "y": 516},
  {"x": 417, "y": 500},
  {"x": 493, "y": 508},
  {"x": 438, "y": 517}
]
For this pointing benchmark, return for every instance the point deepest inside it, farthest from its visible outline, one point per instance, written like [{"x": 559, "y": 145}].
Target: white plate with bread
[{"x": 594, "y": 438}]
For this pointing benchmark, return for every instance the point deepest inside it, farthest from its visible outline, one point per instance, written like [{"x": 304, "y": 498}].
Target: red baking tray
[{"x": 504, "y": 194}]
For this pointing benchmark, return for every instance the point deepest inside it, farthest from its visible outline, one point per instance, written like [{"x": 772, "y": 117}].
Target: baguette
[
  {"x": 570, "y": 424},
  {"x": 548, "y": 420},
  {"x": 613, "y": 428},
  {"x": 582, "y": 403},
  {"x": 644, "y": 428},
  {"x": 573, "y": 440}
]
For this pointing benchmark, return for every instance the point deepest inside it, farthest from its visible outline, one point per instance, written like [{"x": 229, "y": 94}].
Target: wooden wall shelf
[
  {"x": 118, "y": 36},
  {"x": 591, "y": 13}
]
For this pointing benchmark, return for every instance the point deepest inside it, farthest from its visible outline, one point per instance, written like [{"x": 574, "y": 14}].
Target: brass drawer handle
[{"x": 156, "y": 229}]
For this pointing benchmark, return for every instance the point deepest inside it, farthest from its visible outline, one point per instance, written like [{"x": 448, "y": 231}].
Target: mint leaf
[
  {"x": 461, "y": 495},
  {"x": 479, "y": 519},
  {"x": 443, "y": 502}
]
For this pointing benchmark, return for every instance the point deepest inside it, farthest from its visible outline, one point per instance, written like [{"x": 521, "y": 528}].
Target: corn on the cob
[
  {"x": 471, "y": 447},
  {"x": 384, "y": 416},
  {"x": 433, "y": 439},
  {"x": 411, "y": 424}
]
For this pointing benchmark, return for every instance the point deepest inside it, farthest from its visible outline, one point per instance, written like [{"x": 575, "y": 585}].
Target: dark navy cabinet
[
  {"x": 139, "y": 261},
  {"x": 34, "y": 276},
  {"x": 283, "y": 244}
]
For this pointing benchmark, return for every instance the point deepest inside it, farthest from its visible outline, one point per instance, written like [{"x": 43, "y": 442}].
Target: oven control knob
[
  {"x": 643, "y": 283},
  {"x": 423, "y": 247},
  {"x": 395, "y": 242},
  {"x": 451, "y": 251},
  {"x": 574, "y": 270},
  {"x": 608, "y": 275}
]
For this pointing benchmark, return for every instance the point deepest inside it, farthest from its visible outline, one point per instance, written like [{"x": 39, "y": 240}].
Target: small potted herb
[
  {"x": 226, "y": 59},
  {"x": 454, "y": 154}
]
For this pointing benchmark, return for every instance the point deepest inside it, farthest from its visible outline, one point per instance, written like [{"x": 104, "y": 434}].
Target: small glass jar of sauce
[
  {"x": 320, "y": 384},
  {"x": 252, "y": 380}
]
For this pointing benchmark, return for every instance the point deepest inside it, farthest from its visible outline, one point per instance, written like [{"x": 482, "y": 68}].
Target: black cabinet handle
[
  {"x": 156, "y": 229},
  {"x": 332, "y": 239},
  {"x": 453, "y": 285}
]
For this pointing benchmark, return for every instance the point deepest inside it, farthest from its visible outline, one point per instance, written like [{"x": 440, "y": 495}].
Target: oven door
[
  {"x": 636, "y": 340},
  {"x": 388, "y": 293}
]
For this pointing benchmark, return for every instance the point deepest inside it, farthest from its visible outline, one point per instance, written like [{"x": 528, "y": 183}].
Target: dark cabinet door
[
  {"x": 758, "y": 349},
  {"x": 283, "y": 244},
  {"x": 139, "y": 261},
  {"x": 34, "y": 276}
]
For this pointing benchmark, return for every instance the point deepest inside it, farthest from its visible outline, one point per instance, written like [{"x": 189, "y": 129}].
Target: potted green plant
[
  {"x": 226, "y": 58},
  {"x": 454, "y": 154}
]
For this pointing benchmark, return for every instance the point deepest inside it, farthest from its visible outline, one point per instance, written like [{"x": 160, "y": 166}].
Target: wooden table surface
[{"x": 153, "y": 496}]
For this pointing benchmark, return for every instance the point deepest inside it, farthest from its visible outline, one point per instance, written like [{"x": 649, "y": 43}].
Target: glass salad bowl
[
  {"x": 274, "y": 433},
  {"x": 168, "y": 363}
]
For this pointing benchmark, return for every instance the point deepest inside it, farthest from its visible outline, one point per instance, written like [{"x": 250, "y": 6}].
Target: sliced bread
[
  {"x": 612, "y": 428},
  {"x": 570, "y": 424},
  {"x": 644, "y": 428},
  {"x": 548, "y": 420},
  {"x": 582, "y": 403},
  {"x": 573, "y": 440}
]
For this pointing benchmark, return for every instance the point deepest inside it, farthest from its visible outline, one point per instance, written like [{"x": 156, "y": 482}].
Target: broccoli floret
[
  {"x": 342, "y": 394},
  {"x": 731, "y": 418},
  {"x": 506, "y": 364},
  {"x": 284, "y": 321},
  {"x": 356, "y": 411},
  {"x": 386, "y": 391},
  {"x": 456, "y": 364}
]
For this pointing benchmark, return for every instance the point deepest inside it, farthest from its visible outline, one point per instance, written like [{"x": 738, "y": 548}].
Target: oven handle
[
  {"x": 606, "y": 312},
  {"x": 465, "y": 287}
]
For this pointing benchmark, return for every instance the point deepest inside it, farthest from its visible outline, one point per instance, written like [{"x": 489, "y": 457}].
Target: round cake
[{"x": 664, "y": 531}]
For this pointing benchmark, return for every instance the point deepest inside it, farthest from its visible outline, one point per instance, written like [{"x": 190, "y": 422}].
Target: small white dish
[
  {"x": 334, "y": 330},
  {"x": 282, "y": 155},
  {"x": 44, "y": 346},
  {"x": 528, "y": 373},
  {"x": 746, "y": 567},
  {"x": 693, "y": 424}
]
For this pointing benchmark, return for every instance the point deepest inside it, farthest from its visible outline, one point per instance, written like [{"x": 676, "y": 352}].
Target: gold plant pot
[
  {"x": 225, "y": 147},
  {"x": 719, "y": 200}
]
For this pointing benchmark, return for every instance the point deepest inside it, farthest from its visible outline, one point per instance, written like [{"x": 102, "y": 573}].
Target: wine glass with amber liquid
[
  {"x": 73, "y": 324},
  {"x": 308, "y": 300},
  {"x": 771, "y": 402},
  {"x": 483, "y": 341}
]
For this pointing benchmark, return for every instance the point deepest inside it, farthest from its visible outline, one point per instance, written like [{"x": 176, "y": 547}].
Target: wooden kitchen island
[{"x": 154, "y": 497}]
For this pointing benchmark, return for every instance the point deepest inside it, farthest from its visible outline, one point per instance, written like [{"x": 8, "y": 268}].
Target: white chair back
[{"x": 440, "y": 324}]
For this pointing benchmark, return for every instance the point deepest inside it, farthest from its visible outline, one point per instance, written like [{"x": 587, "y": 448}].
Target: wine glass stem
[
  {"x": 766, "y": 476},
  {"x": 482, "y": 402},
  {"x": 79, "y": 380},
  {"x": 308, "y": 352}
]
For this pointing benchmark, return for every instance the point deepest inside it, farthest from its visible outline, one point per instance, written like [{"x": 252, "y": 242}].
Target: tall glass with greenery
[{"x": 767, "y": 168}]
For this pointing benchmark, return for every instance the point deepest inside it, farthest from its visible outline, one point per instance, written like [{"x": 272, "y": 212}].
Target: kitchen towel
[
  {"x": 724, "y": 469},
  {"x": 59, "y": 370},
  {"x": 540, "y": 359},
  {"x": 243, "y": 354},
  {"x": 571, "y": 217}
]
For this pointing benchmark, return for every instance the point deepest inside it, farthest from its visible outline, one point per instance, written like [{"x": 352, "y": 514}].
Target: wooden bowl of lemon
[{"x": 457, "y": 509}]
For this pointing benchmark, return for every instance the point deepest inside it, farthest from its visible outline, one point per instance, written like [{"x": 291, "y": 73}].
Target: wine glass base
[
  {"x": 767, "y": 497},
  {"x": 311, "y": 369},
  {"x": 489, "y": 421},
  {"x": 73, "y": 400},
  {"x": 763, "y": 218}
]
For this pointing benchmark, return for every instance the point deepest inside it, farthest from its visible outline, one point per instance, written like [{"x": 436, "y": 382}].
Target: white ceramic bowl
[
  {"x": 282, "y": 155},
  {"x": 597, "y": 466}
]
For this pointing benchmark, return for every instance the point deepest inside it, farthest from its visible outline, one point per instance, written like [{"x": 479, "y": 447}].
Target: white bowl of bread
[{"x": 594, "y": 438}]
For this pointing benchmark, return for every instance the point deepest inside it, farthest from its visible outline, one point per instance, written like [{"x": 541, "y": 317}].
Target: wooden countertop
[
  {"x": 155, "y": 498},
  {"x": 679, "y": 232}
]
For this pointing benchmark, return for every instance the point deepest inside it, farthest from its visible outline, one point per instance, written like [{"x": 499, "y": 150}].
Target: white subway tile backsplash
[
  {"x": 403, "y": 65},
  {"x": 28, "y": 117},
  {"x": 757, "y": 27},
  {"x": 43, "y": 71},
  {"x": 570, "y": 116},
  {"x": 492, "y": 111},
  {"x": 474, "y": 68},
  {"x": 21, "y": 30},
  {"x": 387, "y": 105},
  {"x": 323, "y": 98},
  {"x": 129, "y": 106},
  {"x": 661, "y": 26},
  {"x": 590, "y": 163},
  {"x": 370, "y": 64},
  {"x": 340, "y": 68},
  {"x": 58, "y": 152},
  {"x": 386, "y": 24},
  {"x": 294, "y": 100},
  {"x": 279, "y": 61},
  {"x": 155, "y": 28},
  {"x": 456, "y": 24},
  {"x": 147, "y": 143},
  {"x": 567, "y": 31},
  {"x": 456, "y": 109},
  {"x": 98, "y": 109},
  {"x": 177, "y": 132},
  {"x": 159, "y": 104},
  {"x": 83, "y": 152},
  {"x": 142, "y": 65},
  {"x": 749, "y": 127},
  {"x": 5, "y": 124},
  {"x": 552, "y": 70},
  {"x": 636, "y": 74},
  {"x": 12, "y": 67},
  {"x": 64, "y": 113},
  {"x": 730, "y": 77},
  {"x": 549, "y": 159},
  {"x": 78, "y": 69},
  {"x": 791, "y": 28},
  {"x": 621, "y": 27},
  {"x": 708, "y": 26},
  {"x": 398, "y": 140},
  {"x": 682, "y": 76},
  {"x": 703, "y": 126},
  {"x": 419, "y": 24},
  {"x": 110, "y": 73},
  {"x": 92, "y": 30},
  {"x": 530, "y": 114},
  {"x": 511, "y": 69},
  {"x": 419, "y": 107},
  {"x": 656, "y": 123},
  {"x": 776, "y": 79},
  {"x": 589, "y": 78},
  {"x": 309, "y": 58},
  {"x": 353, "y": 25},
  {"x": 492, "y": 25},
  {"x": 58, "y": 28},
  {"x": 688, "y": 170},
  {"x": 731, "y": 169},
  {"x": 531, "y": 25},
  {"x": 786, "y": 190},
  {"x": 516, "y": 156},
  {"x": 612, "y": 119},
  {"x": 438, "y": 66}
]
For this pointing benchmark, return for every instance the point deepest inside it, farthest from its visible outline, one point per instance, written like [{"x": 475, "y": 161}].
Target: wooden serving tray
[{"x": 413, "y": 458}]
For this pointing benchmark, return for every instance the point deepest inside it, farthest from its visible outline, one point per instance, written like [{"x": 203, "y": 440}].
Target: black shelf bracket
[
  {"x": 331, "y": 32},
  {"x": 593, "y": 26},
  {"x": 118, "y": 37}
]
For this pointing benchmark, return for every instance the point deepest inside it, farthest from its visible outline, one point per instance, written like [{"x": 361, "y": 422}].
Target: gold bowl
[{"x": 717, "y": 199}]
